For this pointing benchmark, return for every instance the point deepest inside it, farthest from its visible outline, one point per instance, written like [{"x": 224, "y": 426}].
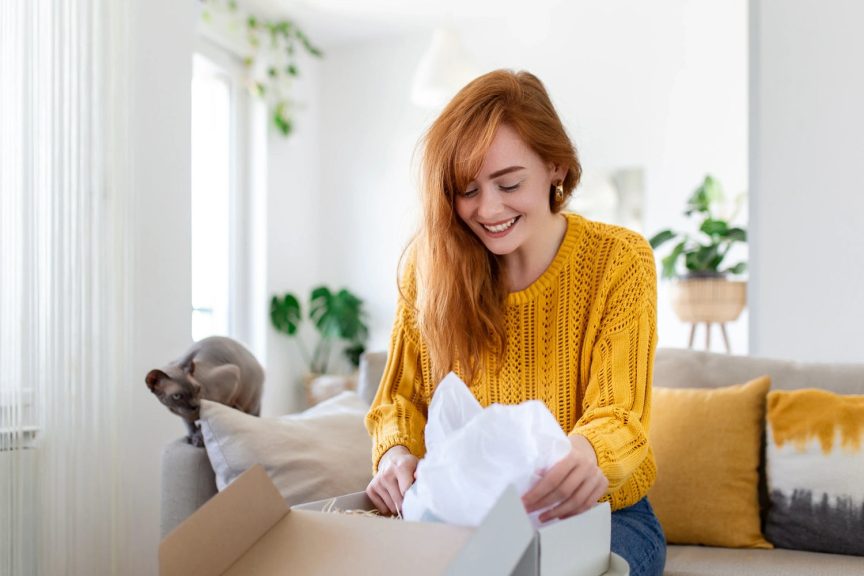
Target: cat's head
[{"x": 177, "y": 389}]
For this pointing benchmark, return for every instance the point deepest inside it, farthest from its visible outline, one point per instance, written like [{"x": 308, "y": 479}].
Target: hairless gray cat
[{"x": 218, "y": 369}]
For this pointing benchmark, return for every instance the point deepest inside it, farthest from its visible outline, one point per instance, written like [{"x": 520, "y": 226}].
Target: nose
[{"x": 489, "y": 205}]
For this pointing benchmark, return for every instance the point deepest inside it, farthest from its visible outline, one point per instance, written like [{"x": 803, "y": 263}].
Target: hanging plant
[{"x": 270, "y": 50}]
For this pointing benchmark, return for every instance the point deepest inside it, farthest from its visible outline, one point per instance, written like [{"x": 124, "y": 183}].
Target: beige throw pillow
[{"x": 312, "y": 455}]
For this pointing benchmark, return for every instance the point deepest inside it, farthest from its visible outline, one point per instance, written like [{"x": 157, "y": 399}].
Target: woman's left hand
[{"x": 575, "y": 484}]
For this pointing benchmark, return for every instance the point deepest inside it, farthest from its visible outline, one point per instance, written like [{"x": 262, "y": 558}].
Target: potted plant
[
  {"x": 336, "y": 316},
  {"x": 703, "y": 293}
]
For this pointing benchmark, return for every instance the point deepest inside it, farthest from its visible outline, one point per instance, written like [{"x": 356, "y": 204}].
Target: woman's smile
[{"x": 500, "y": 229}]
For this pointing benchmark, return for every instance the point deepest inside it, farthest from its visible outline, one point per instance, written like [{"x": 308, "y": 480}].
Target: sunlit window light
[{"x": 211, "y": 199}]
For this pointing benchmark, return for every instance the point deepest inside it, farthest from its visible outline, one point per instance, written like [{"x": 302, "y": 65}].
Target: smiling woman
[
  {"x": 524, "y": 302},
  {"x": 505, "y": 122},
  {"x": 507, "y": 206}
]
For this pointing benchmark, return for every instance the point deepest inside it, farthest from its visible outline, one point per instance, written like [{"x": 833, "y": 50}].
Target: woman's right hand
[{"x": 395, "y": 475}]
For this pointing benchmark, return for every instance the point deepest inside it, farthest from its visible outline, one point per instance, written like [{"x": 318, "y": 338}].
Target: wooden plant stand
[{"x": 709, "y": 301}]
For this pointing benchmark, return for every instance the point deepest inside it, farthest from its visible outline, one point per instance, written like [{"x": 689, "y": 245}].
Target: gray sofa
[{"x": 188, "y": 480}]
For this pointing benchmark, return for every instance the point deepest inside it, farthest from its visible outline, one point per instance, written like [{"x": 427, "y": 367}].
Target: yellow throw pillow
[{"x": 706, "y": 443}]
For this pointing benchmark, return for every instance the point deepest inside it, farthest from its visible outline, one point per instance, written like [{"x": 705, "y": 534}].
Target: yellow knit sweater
[{"x": 581, "y": 339}]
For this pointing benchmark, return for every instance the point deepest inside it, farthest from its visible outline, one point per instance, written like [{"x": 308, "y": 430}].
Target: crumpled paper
[{"x": 473, "y": 454}]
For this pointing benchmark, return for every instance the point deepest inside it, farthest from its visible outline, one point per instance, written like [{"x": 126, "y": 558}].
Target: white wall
[
  {"x": 808, "y": 197},
  {"x": 294, "y": 228},
  {"x": 161, "y": 40},
  {"x": 369, "y": 131},
  {"x": 657, "y": 85}
]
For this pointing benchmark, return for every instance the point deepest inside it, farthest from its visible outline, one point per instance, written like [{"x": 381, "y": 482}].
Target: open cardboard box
[{"x": 248, "y": 529}]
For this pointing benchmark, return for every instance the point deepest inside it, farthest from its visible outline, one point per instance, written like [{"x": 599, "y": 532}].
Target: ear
[
  {"x": 153, "y": 378},
  {"x": 190, "y": 368},
  {"x": 557, "y": 173}
]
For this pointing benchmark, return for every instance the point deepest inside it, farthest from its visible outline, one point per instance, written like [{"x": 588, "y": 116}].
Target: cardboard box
[{"x": 248, "y": 529}]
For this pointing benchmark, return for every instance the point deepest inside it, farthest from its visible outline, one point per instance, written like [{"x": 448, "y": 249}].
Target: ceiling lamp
[{"x": 443, "y": 70}]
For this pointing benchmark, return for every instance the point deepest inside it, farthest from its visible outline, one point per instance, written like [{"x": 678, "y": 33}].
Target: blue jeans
[{"x": 638, "y": 538}]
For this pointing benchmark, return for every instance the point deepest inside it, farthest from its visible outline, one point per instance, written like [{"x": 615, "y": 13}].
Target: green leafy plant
[
  {"x": 270, "y": 54},
  {"x": 702, "y": 254},
  {"x": 335, "y": 315}
]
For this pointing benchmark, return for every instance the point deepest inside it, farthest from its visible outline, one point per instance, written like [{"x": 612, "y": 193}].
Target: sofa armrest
[
  {"x": 372, "y": 365},
  {"x": 188, "y": 481}
]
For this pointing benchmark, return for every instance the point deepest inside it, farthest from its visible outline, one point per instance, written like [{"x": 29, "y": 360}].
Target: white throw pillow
[{"x": 312, "y": 455}]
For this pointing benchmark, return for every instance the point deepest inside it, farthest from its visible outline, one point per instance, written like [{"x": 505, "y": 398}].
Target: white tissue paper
[{"x": 473, "y": 454}]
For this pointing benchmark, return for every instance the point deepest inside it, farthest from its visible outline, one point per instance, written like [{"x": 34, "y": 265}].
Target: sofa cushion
[
  {"x": 706, "y": 444},
  {"x": 675, "y": 368},
  {"x": 815, "y": 468},
  {"x": 322, "y": 452},
  {"x": 705, "y": 561}
]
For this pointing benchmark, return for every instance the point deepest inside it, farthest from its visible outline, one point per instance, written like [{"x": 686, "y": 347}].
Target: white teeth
[{"x": 500, "y": 227}]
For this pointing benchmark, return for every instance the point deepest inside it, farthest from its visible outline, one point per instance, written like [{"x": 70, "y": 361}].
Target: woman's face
[{"x": 507, "y": 204}]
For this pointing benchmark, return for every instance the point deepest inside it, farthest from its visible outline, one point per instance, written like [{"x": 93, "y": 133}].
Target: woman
[{"x": 524, "y": 302}]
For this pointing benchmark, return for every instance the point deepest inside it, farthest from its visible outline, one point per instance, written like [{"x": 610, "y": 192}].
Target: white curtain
[{"x": 63, "y": 200}]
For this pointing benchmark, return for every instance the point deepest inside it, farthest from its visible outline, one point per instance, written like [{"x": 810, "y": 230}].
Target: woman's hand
[
  {"x": 395, "y": 475},
  {"x": 575, "y": 483}
]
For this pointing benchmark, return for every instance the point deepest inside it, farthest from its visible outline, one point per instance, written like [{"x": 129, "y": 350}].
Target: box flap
[
  {"x": 499, "y": 542},
  {"x": 577, "y": 546},
  {"x": 529, "y": 564},
  {"x": 218, "y": 533},
  {"x": 320, "y": 543}
]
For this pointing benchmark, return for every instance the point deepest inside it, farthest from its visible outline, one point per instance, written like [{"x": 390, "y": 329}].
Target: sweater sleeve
[
  {"x": 398, "y": 413},
  {"x": 616, "y": 403}
]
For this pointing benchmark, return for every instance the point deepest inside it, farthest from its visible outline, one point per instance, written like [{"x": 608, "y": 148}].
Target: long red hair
[{"x": 461, "y": 290}]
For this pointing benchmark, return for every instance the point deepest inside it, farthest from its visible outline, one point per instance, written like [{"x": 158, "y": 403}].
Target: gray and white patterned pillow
[{"x": 815, "y": 471}]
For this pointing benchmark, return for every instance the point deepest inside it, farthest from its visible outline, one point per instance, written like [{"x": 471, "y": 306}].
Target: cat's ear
[
  {"x": 190, "y": 368},
  {"x": 153, "y": 378}
]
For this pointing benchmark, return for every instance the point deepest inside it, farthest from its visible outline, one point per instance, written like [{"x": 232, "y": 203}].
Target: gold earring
[{"x": 559, "y": 192}]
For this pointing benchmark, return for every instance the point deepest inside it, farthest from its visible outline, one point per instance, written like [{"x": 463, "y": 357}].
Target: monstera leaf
[
  {"x": 335, "y": 315},
  {"x": 285, "y": 314}
]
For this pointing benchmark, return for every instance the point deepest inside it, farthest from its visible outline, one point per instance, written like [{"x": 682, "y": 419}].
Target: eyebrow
[{"x": 507, "y": 170}]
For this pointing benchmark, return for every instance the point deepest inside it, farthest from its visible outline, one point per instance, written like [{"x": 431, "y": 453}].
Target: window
[{"x": 219, "y": 119}]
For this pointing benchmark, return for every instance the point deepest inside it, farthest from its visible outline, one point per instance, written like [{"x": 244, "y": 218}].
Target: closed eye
[{"x": 473, "y": 192}]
